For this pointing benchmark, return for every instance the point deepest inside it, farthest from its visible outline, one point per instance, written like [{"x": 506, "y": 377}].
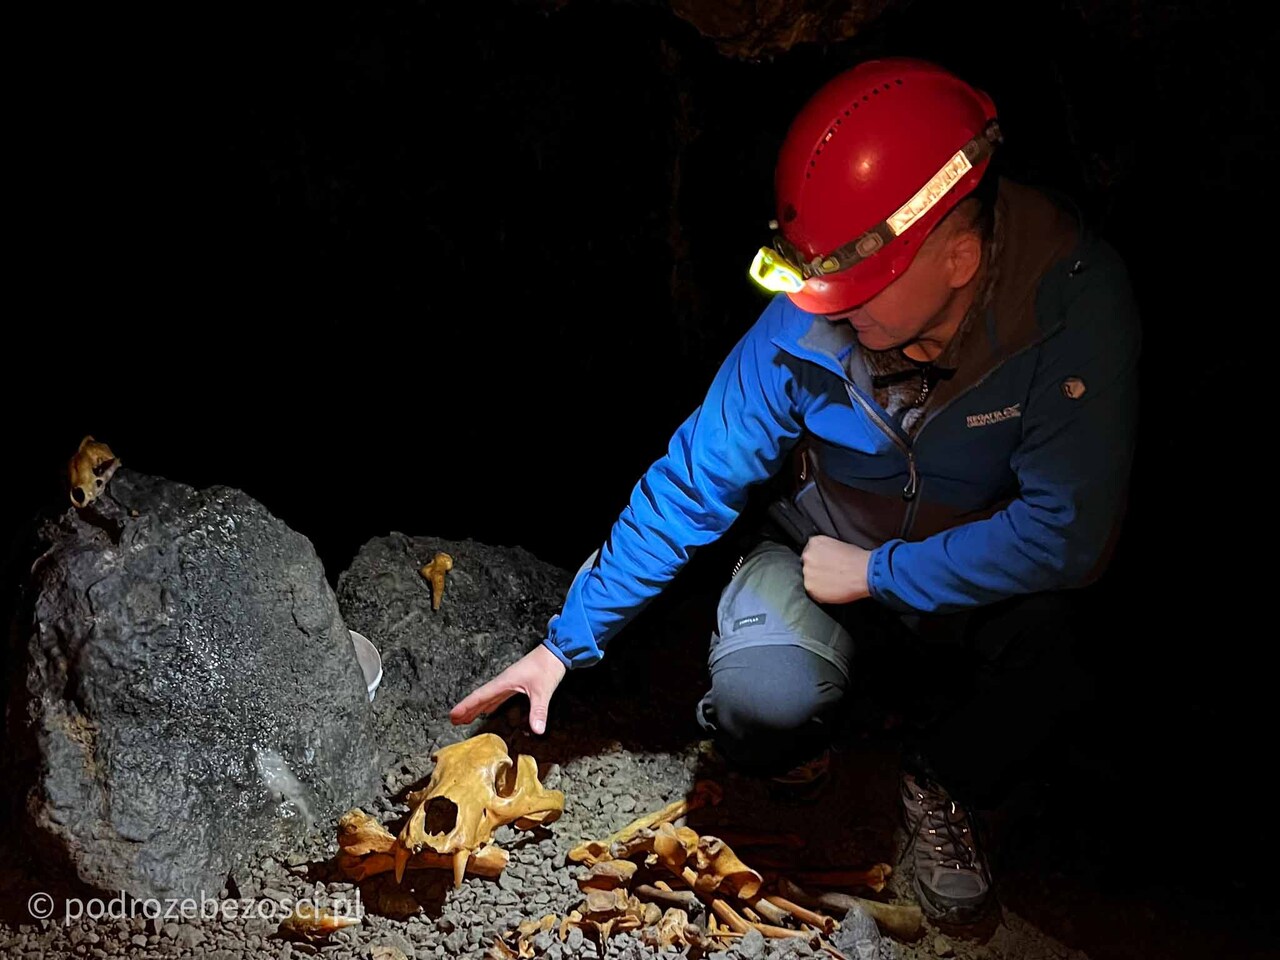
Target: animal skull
[
  {"x": 89, "y": 470},
  {"x": 473, "y": 790}
]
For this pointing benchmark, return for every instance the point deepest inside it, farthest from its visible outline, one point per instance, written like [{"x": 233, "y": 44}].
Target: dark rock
[
  {"x": 858, "y": 935},
  {"x": 260, "y": 926},
  {"x": 455, "y": 942},
  {"x": 394, "y": 941},
  {"x": 191, "y": 693},
  {"x": 507, "y": 880},
  {"x": 495, "y": 608},
  {"x": 752, "y": 944},
  {"x": 574, "y": 941}
]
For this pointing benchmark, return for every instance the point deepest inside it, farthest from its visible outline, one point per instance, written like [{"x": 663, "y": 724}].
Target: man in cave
[{"x": 945, "y": 380}]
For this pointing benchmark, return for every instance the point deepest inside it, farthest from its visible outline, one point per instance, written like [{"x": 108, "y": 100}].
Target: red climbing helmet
[{"x": 872, "y": 162}]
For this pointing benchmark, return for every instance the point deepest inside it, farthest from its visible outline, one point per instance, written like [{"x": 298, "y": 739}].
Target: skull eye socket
[
  {"x": 440, "y": 816},
  {"x": 505, "y": 783},
  {"x": 78, "y": 494},
  {"x": 103, "y": 467}
]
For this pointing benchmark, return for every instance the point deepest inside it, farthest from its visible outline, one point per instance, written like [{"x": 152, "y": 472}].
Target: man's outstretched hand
[{"x": 536, "y": 675}]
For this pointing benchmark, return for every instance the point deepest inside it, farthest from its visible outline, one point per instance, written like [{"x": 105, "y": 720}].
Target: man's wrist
[{"x": 568, "y": 664}]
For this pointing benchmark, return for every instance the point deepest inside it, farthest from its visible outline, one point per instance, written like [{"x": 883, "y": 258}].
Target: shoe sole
[{"x": 950, "y": 912}]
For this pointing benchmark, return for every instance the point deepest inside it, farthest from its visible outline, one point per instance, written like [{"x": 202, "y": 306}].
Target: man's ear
[{"x": 964, "y": 257}]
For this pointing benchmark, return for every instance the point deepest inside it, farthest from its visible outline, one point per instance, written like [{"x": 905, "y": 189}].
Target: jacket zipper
[
  {"x": 910, "y": 493},
  {"x": 912, "y": 489}
]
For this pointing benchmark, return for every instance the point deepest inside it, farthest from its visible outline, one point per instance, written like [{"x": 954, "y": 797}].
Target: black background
[{"x": 460, "y": 270}]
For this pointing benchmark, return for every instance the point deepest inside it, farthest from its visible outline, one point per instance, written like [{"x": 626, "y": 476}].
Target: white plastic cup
[{"x": 369, "y": 659}]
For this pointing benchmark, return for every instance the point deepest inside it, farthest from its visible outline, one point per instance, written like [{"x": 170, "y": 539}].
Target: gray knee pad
[
  {"x": 765, "y": 605},
  {"x": 771, "y": 690},
  {"x": 779, "y": 664}
]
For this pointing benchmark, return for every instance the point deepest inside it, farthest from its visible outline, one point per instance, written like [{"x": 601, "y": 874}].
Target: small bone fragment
[
  {"x": 900, "y": 921},
  {"x": 671, "y": 928},
  {"x": 433, "y": 572},
  {"x": 642, "y": 842},
  {"x": 768, "y": 911},
  {"x": 528, "y": 928},
  {"x": 873, "y": 878},
  {"x": 824, "y": 923},
  {"x": 720, "y": 869},
  {"x": 740, "y": 925},
  {"x": 694, "y": 936},
  {"x": 608, "y": 874},
  {"x": 730, "y": 916},
  {"x": 308, "y": 922},
  {"x": 685, "y": 900},
  {"x": 704, "y": 792},
  {"x": 606, "y": 901}
]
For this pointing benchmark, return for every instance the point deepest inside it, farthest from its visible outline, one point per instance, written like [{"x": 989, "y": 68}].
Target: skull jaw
[{"x": 471, "y": 793}]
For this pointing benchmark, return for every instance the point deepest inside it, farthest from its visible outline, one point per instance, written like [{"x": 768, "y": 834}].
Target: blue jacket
[{"x": 1014, "y": 482}]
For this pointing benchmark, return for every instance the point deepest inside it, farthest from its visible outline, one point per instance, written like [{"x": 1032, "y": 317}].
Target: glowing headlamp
[{"x": 775, "y": 272}]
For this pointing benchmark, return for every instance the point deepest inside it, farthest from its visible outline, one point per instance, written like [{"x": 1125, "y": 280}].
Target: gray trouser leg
[{"x": 779, "y": 665}]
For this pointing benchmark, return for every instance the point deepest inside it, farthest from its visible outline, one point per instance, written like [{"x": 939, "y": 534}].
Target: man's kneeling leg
[{"x": 779, "y": 666}]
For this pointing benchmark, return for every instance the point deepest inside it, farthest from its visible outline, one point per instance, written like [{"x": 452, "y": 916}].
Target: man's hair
[{"x": 979, "y": 208}]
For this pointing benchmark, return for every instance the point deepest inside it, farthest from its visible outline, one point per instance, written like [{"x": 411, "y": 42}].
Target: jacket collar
[{"x": 1036, "y": 234}]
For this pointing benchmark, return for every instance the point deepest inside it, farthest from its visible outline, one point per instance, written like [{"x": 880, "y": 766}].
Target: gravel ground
[
  {"x": 621, "y": 741},
  {"x": 606, "y": 782}
]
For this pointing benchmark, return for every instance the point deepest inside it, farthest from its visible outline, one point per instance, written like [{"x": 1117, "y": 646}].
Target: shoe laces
[{"x": 948, "y": 832}]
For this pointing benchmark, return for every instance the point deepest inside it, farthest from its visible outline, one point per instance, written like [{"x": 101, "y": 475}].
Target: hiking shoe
[{"x": 952, "y": 882}]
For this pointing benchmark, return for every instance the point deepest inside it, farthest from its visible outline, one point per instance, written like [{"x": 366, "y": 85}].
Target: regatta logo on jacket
[{"x": 995, "y": 416}]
